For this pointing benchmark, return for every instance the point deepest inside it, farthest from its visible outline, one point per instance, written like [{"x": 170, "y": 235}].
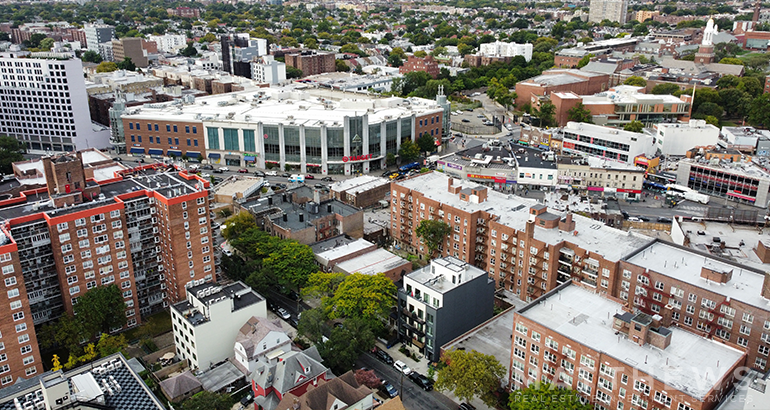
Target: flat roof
[
  {"x": 513, "y": 211},
  {"x": 685, "y": 264},
  {"x": 729, "y": 235},
  {"x": 237, "y": 185},
  {"x": 358, "y": 184},
  {"x": 491, "y": 338},
  {"x": 600, "y": 131},
  {"x": 372, "y": 263},
  {"x": 437, "y": 281},
  {"x": 340, "y": 247},
  {"x": 691, "y": 363},
  {"x": 298, "y": 104}
]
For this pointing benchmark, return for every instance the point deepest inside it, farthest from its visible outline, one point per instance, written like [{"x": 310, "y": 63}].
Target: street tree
[
  {"x": 368, "y": 378},
  {"x": 91, "y": 56},
  {"x": 759, "y": 110},
  {"x": 664, "y": 89},
  {"x": 731, "y": 60},
  {"x": 433, "y": 233},
  {"x": 338, "y": 352},
  {"x": 323, "y": 284},
  {"x": 547, "y": 114},
  {"x": 367, "y": 297},
  {"x": 11, "y": 150},
  {"x": 311, "y": 324},
  {"x": 189, "y": 51},
  {"x": 426, "y": 143},
  {"x": 634, "y": 126},
  {"x": 237, "y": 225},
  {"x": 546, "y": 396},
  {"x": 409, "y": 151},
  {"x": 470, "y": 374},
  {"x": 579, "y": 113},
  {"x": 109, "y": 344},
  {"x": 291, "y": 265},
  {"x": 100, "y": 310},
  {"x": 127, "y": 64}
]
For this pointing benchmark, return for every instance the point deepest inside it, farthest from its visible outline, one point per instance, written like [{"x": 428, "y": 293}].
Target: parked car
[
  {"x": 227, "y": 252},
  {"x": 466, "y": 406},
  {"x": 319, "y": 186},
  {"x": 644, "y": 218},
  {"x": 634, "y": 219},
  {"x": 294, "y": 322},
  {"x": 208, "y": 167},
  {"x": 665, "y": 220},
  {"x": 259, "y": 174},
  {"x": 285, "y": 175},
  {"x": 309, "y": 176},
  {"x": 327, "y": 179},
  {"x": 243, "y": 171},
  {"x": 389, "y": 389},
  {"x": 383, "y": 356},
  {"x": 283, "y": 313},
  {"x": 280, "y": 186},
  {"x": 422, "y": 381},
  {"x": 271, "y": 173},
  {"x": 224, "y": 169},
  {"x": 402, "y": 367},
  {"x": 466, "y": 120}
]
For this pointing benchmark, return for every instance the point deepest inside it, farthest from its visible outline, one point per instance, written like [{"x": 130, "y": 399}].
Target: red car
[
  {"x": 243, "y": 171},
  {"x": 308, "y": 176}
]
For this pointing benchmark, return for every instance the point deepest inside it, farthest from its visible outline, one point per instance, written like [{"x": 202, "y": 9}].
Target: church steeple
[{"x": 705, "y": 54}]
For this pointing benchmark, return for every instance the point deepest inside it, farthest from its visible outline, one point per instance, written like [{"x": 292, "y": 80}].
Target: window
[
  {"x": 10, "y": 281},
  {"x": 585, "y": 375},
  {"x": 23, "y": 338},
  {"x": 8, "y": 269},
  {"x": 662, "y": 399},
  {"x": 748, "y": 317},
  {"x": 587, "y": 362},
  {"x": 521, "y": 328},
  {"x": 26, "y": 349},
  {"x": 607, "y": 370},
  {"x": 566, "y": 351},
  {"x": 763, "y": 350},
  {"x": 21, "y": 327},
  {"x": 16, "y": 304},
  {"x": 13, "y": 293},
  {"x": 642, "y": 387}
]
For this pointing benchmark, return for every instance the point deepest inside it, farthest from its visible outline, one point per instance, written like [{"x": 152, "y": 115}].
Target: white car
[
  {"x": 224, "y": 169},
  {"x": 283, "y": 313},
  {"x": 402, "y": 367},
  {"x": 271, "y": 173}
]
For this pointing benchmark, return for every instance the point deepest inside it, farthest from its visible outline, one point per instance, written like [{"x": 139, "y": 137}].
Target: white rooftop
[
  {"x": 298, "y": 104},
  {"x": 343, "y": 250},
  {"x": 600, "y": 131},
  {"x": 691, "y": 363},
  {"x": 685, "y": 265},
  {"x": 513, "y": 211},
  {"x": 91, "y": 156},
  {"x": 629, "y": 95},
  {"x": 347, "y": 184},
  {"x": 104, "y": 173},
  {"x": 372, "y": 263},
  {"x": 437, "y": 274}
]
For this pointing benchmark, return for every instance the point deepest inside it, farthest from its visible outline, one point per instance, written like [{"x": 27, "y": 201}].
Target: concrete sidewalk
[{"x": 422, "y": 367}]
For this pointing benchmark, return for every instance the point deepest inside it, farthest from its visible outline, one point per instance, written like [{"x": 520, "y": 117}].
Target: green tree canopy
[
  {"x": 189, "y": 51},
  {"x": 546, "y": 396},
  {"x": 341, "y": 65},
  {"x": 292, "y": 72},
  {"x": 579, "y": 113},
  {"x": 237, "y": 225},
  {"x": 420, "y": 54},
  {"x": 323, "y": 284},
  {"x": 291, "y": 265},
  {"x": 206, "y": 400},
  {"x": 759, "y": 110},
  {"x": 127, "y": 64},
  {"x": 101, "y": 309},
  {"x": 11, "y": 150},
  {"x": 470, "y": 374},
  {"x": 345, "y": 344},
  {"x": 106, "y": 67},
  {"x": 585, "y": 60},
  {"x": 664, "y": 89},
  {"x": 635, "y": 80},
  {"x": 734, "y": 101},
  {"x": 46, "y": 44},
  {"x": 367, "y": 297},
  {"x": 433, "y": 233},
  {"x": 731, "y": 60},
  {"x": 426, "y": 143},
  {"x": 634, "y": 126},
  {"x": 91, "y": 56},
  {"x": 409, "y": 151},
  {"x": 547, "y": 114}
]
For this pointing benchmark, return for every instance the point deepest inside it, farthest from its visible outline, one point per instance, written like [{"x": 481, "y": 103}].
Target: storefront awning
[
  {"x": 213, "y": 155},
  {"x": 247, "y": 158},
  {"x": 154, "y": 151},
  {"x": 135, "y": 150},
  {"x": 193, "y": 154},
  {"x": 174, "y": 152},
  {"x": 235, "y": 157}
]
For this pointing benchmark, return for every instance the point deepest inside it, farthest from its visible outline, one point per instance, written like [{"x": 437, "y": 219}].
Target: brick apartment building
[
  {"x": 530, "y": 250},
  {"x": 427, "y": 64},
  {"x": 135, "y": 48},
  {"x": 576, "y": 81},
  {"x": 311, "y": 62},
  {"x": 76, "y": 234},
  {"x": 616, "y": 358},
  {"x": 158, "y": 137}
]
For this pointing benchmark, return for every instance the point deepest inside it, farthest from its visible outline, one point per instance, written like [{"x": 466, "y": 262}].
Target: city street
[{"x": 413, "y": 397}]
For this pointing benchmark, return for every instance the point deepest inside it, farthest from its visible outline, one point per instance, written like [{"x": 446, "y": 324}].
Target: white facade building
[
  {"x": 744, "y": 137},
  {"x": 268, "y": 71},
  {"x": 169, "y": 42},
  {"x": 502, "y": 49},
  {"x": 260, "y": 338},
  {"x": 105, "y": 50},
  {"x": 45, "y": 104},
  {"x": 207, "y": 323},
  {"x": 605, "y": 142},
  {"x": 677, "y": 139},
  {"x": 97, "y": 34}
]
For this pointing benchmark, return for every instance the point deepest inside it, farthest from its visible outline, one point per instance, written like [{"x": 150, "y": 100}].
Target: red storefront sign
[{"x": 357, "y": 158}]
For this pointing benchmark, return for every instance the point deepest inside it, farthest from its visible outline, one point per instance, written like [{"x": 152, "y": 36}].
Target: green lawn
[{"x": 152, "y": 326}]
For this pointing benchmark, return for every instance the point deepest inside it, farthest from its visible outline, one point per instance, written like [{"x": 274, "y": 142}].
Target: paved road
[{"x": 413, "y": 397}]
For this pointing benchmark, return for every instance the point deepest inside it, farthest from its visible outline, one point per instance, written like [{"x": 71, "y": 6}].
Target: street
[{"x": 413, "y": 397}]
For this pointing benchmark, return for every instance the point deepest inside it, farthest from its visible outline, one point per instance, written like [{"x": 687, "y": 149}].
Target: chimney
[
  {"x": 285, "y": 218},
  {"x": 567, "y": 224},
  {"x": 449, "y": 184},
  {"x": 665, "y": 315},
  {"x": 530, "y": 229},
  {"x": 302, "y": 217},
  {"x": 763, "y": 251},
  {"x": 329, "y": 208},
  {"x": 766, "y": 286}
]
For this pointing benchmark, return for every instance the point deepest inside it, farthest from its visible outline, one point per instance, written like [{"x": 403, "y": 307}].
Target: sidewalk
[{"x": 422, "y": 367}]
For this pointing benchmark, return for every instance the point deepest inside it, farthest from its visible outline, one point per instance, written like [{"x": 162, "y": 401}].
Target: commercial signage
[
  {"x": 357, "y": 158},
  {"x": 453, "y": 166},
  {"x": 480, "y": 176}
]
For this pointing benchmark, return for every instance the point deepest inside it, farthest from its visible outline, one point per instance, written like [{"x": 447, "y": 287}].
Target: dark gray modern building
[{"x": 442, "y": 301}]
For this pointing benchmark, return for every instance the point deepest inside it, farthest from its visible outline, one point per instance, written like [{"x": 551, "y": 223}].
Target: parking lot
[{"x": 469, "y": 122}]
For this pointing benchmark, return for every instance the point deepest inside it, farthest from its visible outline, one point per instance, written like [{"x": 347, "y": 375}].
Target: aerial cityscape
[{"x": 331, "y": 205}]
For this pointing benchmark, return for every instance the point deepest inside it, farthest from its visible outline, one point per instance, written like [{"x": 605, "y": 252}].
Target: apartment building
[
  {"x": 427, "y": 64},
  {"x": 169, "y": 42},
  {"x": 97, "y": 34},
  {"x": 137, "y": 49},
  {"x": 616, "y": 358},
  {"x": 79, "y": 232},
  {"x": 45, "y": 105},
  {"x": 442, "y": 301},
  {"x": 311, "y": 62},
  {"x": 612, "y": 10},
  {"x": 147, "y": 133},
  {"x": 516, "y": 240},
  {"x": 606, "y": 143},
  {"x": 530, "y": 250},
  {"x": 267, "y": 70},
  {"x": 746, "y": 182},
  {"x": 207, "y": 323}
]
